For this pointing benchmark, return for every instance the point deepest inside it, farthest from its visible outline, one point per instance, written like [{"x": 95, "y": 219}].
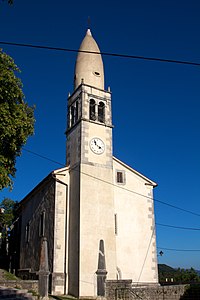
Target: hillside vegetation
[{"x": 169, "y": 274}]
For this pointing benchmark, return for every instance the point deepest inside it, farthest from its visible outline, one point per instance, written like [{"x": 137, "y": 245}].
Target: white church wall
[
  {"x": 96, "y": 223},
  {"x": 135, "y": 231}
]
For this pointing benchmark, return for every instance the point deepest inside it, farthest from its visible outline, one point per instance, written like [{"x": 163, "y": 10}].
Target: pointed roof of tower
[{"x": 89, "y": 66}]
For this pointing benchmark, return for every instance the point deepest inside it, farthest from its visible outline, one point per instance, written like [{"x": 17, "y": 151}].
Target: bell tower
[
  {"x": 90, "y": 161},
  {"x": 89, "y": 106}
]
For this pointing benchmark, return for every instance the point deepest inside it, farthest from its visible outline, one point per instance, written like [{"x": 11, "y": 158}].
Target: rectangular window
[
  {"x": 68, "y": 119},
  {"x": 27, "y": 233},
  {"x": 115, "y": 224},
  {"x": 77, "y": 111},
  {"x": 42, "y": 223},
  {"x": 92, "y": 110},
  {"x": 73, "y": 114},
  {"x": 120, "y": 177}
]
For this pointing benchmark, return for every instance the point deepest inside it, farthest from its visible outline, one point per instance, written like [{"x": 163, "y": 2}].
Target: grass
[
  {"x": 63, "y": 297},
  {"x": 8, "y": 276}
]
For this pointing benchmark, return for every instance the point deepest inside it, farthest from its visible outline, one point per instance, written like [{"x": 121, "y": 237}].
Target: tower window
[
  {"x": 76, "y": 111},
  {"x": 73, "y": 112},
  {"x": 96, "y": 73},
  {"x": 68, "y": 119},
  {"x": 101, "y": 112},
  {"x": 120, "y": 177},
  {"x": 92, "y": 110}
]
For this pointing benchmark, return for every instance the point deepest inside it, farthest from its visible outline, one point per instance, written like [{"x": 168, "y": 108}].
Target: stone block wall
[
  {"x": 124, "y": 290},
  {"x": 118, "y": 289},
  {"x": 29, "y": 285}
]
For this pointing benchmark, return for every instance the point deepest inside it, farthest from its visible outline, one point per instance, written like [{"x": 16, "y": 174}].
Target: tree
[
  {"x": 16, "y": 119},
  {"x": 9, "y": 1},
  {"x": 7, "y": 212},
  {"x": 178, "y": 275}
]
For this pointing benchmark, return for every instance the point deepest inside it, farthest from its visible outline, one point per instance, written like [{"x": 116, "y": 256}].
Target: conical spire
[{"x": 89, "y": 66}]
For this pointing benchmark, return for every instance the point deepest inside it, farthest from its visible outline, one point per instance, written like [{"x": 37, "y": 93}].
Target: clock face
[{"x": 97, "y": 145}]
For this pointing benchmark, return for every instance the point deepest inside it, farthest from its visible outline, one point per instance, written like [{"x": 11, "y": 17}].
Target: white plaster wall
[
  {"x": 96, "y": 214},
  {"x": 96, "y": 197},
  {"x": 73, "y": 146},
  {"x": 96, "y": 223},
  {"x": 135, "y": 239},
  {"x": 105, "y": 135}
]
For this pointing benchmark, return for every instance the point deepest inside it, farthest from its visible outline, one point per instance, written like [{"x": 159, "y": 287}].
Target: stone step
[{"x": 13, "y": 294}]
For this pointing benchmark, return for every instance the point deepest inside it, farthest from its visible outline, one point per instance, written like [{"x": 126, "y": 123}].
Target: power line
[
  {"x": 148, "y": 248},
  {"x": 139, "y": 194},
  {"x": 121, "y": 187},
  {"x": 179, "y": 250},
  {"x": 178, "y": 227},
  {"x": 159, "y": 224},
  {"x": 44, "y": 157},
  {"x": 176, "y": 207},
  {"x": 103, "y": 53}
]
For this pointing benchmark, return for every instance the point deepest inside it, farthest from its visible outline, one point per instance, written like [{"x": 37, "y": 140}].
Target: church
[{"x": 97, "y": 213}]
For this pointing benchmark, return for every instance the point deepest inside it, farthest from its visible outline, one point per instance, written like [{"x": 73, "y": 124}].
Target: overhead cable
[
  {"x": 145, "y": 258},
  {"x": 178, "y": 227},
  {"x": 44, "y": 157},
  {"x": 103, "y": 53},
  {"x": 120, "y": 187},
  {"x": 181, "y": 250}
]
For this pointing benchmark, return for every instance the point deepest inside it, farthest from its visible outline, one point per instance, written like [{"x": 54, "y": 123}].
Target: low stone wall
[
  {"x": 124, "y": 290},
  {"x": 30, "y": 285},
  {"x": 159, "y": 293},
  {"x": 13, "y": 294},
  {"x": 118, "y": 289}
]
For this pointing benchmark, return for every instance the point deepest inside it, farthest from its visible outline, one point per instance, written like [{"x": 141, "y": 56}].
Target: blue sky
[{"x": 155, "y": 105}]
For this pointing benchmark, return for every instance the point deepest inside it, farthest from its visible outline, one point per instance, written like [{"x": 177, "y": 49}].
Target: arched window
[
  {"x": 101, "y": 112},
  {"x": 92, "y": 110}
]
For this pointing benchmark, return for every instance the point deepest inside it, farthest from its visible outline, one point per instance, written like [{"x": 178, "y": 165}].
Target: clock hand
[{"x": 97, "y": 145}]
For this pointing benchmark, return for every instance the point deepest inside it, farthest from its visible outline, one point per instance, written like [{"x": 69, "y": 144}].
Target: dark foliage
[{"x": 169, "y": 274}]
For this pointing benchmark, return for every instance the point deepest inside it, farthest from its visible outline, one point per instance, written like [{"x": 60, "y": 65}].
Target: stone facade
[{"x": 37, "y": 211}]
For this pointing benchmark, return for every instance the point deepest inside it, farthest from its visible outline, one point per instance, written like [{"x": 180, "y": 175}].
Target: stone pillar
[
  {"x": 44, "y": 270},
  {"x": 101, "y": 272}
]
